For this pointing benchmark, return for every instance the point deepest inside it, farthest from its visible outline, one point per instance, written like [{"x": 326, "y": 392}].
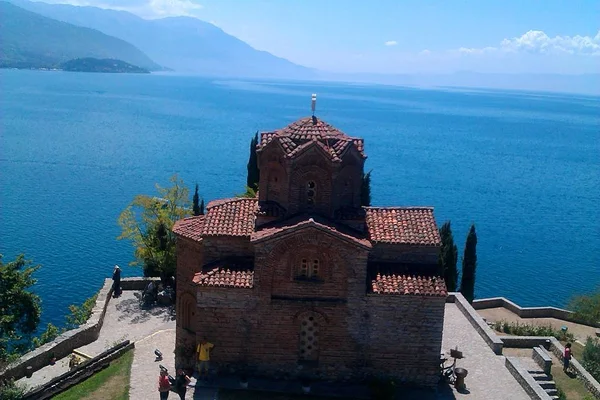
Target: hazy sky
[{"x": 395, "y": 36}]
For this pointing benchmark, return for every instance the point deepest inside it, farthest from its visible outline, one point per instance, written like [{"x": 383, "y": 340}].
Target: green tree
[
  {"x": 197, "y": 208},
  {"x": 586, "y": 308},
  {"x": 148, "y": 222},
  {"x": 365, "y": 190},
  {"x": 591, "y": 357},
  {"x": 20, "y": 308},
  {"x": 253, "y": 171},
  {"x": 47, "y": 336},
  {"x": 448, "y": 257},
  {"x": 249, "y": 193},
  {"x": 469, "y": 264},
  {"x": 10, "y": 390}
]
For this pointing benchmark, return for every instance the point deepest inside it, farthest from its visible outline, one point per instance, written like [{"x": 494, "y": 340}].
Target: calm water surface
[{"x": 75, "y": 149}]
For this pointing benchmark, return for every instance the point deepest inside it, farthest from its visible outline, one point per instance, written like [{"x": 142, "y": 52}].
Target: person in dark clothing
[
  {"x": 116, "y": 281},
  {"x": 181, "y": 383}
]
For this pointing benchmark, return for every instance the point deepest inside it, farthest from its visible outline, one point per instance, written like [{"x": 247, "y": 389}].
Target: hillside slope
[
  {"x": 32, "y": 40},
  {"x": 182, "y": 43}
]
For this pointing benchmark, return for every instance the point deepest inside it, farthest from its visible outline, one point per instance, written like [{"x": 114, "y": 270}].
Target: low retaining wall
[
  {"x": 526, "y": 312},
  {"x": 525, "y": 342},
  {"x": 78, "y": 374},
  {"x": 478, "y": 323},
  {"x": 588, "y": 380},
  {"x": 64, "y": 344},
  {"x": 533, "y": 389},
  {"x": 542, "y": 359}
]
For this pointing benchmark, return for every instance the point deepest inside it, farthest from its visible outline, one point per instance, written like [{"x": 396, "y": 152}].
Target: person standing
[
  {"x": 116, "y": 281},
  {"x": 181, "y": 383},
  {"x": 164, "y": 385},
  {"x": 567, "y": 357},
  {"x": 203, "y": 350}
]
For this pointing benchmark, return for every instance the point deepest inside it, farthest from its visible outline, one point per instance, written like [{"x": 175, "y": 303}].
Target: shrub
[
  {"x": 11, "y": 391},
  {"x": 514, "y": 328},
  {"x": 591, "y": 357}
]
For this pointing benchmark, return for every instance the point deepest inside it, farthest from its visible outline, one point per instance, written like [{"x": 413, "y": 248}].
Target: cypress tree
[
  {"x": 253, "y": 171},
  {"x": 196, "y": 206},
  {"x": 469, "y": 264},
  {"x": 202, "y": 207},
  {"x": 448, "y": 257},
  {"x": 365, "y": 190}
]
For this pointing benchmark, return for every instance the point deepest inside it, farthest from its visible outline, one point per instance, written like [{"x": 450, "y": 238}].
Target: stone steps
[{"x": 545, "y": 382}]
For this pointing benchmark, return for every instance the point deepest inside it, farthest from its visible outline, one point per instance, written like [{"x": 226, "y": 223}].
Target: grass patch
[
  {"x": 226, "y": 394},
  {"x": 572, "y": 387},
  {"x": 112, "y": 383}
]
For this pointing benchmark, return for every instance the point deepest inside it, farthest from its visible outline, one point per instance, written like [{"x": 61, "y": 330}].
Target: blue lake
[{"x": 76, "y": 148}]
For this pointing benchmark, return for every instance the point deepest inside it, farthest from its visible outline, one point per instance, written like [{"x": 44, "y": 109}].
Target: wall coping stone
[
  {"x": 488, "y": 335},
  {"x": 531, "y": 387},
  {"x": 542, "y": 359},
  {"x": 528, "y": 312}
]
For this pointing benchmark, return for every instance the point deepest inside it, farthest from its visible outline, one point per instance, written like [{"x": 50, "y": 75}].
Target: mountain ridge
[
  {"x": 31, "y": 40},
  {"x": 184, "y": 44}
]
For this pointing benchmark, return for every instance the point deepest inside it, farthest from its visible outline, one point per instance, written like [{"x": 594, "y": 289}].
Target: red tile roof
[
  {"x": 230, "y": 217},
  {"x": 297, "y": 224},
  {"x": 190, "y": 228},
  {"x": 409, "y": 285},
  {"x": 403, "y": 225},
  {"x": 224, "y": 277},
  {"x": 310, "y": 131}
]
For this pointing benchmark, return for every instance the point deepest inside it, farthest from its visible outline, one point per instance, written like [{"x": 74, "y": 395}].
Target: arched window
[
  {"x": 311, "y": 192},
  {"x": 186, "y": 311},
  {"x": 309, "y": 338},
  {"x": 309, "y": 269}
]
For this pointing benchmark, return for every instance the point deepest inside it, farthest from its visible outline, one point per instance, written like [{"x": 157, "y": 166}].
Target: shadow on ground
[{"x": 132, "y": 312}]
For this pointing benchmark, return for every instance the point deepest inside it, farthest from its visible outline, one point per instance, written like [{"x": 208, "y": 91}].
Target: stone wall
[
  {"x": 542, "y": 359},
  {"x": 478, "y": 323},
  {"x": 387, "y": 252},
  {"x": 65, "y": 343},
  {"x": 531, "y": 387},
  {"x": 526, "y": 312}
]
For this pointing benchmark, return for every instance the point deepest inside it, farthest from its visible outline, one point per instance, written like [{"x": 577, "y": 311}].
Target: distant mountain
[
  {"x": 183, "y": 44},
  {"x": 101, "y": 65},
  {"x": 30, "y": 40}
]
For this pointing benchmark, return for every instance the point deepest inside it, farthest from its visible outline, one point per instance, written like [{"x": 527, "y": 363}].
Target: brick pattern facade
[{"x": 303, "y": 281}]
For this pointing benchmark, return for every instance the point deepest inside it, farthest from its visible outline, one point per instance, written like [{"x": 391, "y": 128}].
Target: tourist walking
[
  {"x": 203, "y": 350},
  {"x": 181, "y": 383},
  {"x": 164, "y": 385},
  {"x": 116, "y": 281},
  {"x": 567, "y": 357}
]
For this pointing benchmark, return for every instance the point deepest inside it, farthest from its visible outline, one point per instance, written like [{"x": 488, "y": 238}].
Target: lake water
[{"x": 76, "y": 148}]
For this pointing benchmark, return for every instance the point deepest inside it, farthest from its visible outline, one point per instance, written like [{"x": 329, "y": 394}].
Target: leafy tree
[
  {"x": 448, "y": 257},
  {"x": 587, "y": 308},
  {"x": 20, "y": 309},
  {"x": 591, "y": 357},
  {"x": 196, "y": 208},
  {"x": 10, "y": 390},
  {"x": 469, "y": 264},
  {"x": 365, "y": 190},
  {"x": 253, "y": 171},
  {"x": 51, "y": 333},
  {"x": 148, "y": 223},
  {"x": 80, "y": 314},
  {"x": 249, "y": 193}
]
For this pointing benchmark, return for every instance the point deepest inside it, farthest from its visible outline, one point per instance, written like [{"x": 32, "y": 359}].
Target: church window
[
  {"x": 309, "y": 339},
  {"x": 309, "y": 269},
  {"x": 311, "y": 192}
]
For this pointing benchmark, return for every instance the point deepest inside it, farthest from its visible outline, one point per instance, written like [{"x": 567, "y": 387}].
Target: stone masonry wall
[{"x": 384, "y": 252}]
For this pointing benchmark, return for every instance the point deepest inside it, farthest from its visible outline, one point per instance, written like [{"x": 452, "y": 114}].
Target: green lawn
[
  {"x": 112, "y": 383},
  {"x": 573, "y": 388}
]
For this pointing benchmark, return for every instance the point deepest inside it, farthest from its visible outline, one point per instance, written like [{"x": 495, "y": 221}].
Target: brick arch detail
[
  {"x": 187, "y": 305},
  {"x": 298, "y": 181},
  {"x": 320, "y": 317}
]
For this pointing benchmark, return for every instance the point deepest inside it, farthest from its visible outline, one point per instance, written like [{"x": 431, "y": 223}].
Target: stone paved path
[
  {"x": 488, "y": 378},
  {"x": 145, "y": 370},
  {"x": 124, "y": 320}
]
